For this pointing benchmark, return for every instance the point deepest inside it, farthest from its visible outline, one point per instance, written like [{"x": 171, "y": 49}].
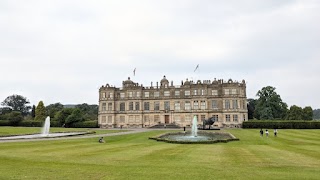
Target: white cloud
[{"x": 63, "y": 50}]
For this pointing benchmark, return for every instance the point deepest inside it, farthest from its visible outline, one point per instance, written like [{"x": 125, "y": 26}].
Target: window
[
  {"x": 156, "y": 105},
  {"x": 122, "y": 95},
  {"x": 156, "y": 118},
  {"x": 122, "y": 119},
  {"x": 109, "y": 119},
  {"x": 130, "y": 94},
  {"x": 215, "y": 118},
  {"x": 187, "y": 118},
  {"x": 103, "y": 95},
  {"x": 195, "y": 92},
  {"x": 177, "y": 93},
  {"x": 103, "y": 120},
  {"x": 146, "y": 106},
  {"x": 110, "y": 95},
  {"x": 177, "y": 105},
  {"x": 138, "y": 94},
  {"x": 203, "y": 117},
  {"x": 131, "y": 119},
  {"x": 233, "y": 91},
  {"x": 235, "y": 118},
  {"x": 195, "y": 105},
  {"x": 130, "y": 106},
  {"x": 214, "y": 104},
  {"x": 122, "y": 106},
  {"x": 146, "y": 118},
  {"x": 187, "y": 105},
  {"x": 109, "y": 106},
  {"x": 214, "y": 92},
  {"x": 156, "y": 94},
  {"x": 146, "y": 94},
  {"x": 203, "y": 92},
  {"x": 203, "y": 105},
  {"x": 167, "y": 93},
  {"x": 235, "y": 104},
  {"x": 137, "y": 117},
  {"x": 137, "y": 106},
  {"x": 227, "y": 104},
  {"x": 226, "y": 91},
  {"x": 167, "y": 105},
  {"x": 244, "y": 117},
  {"x": 176, "y": 118},
  {"x": 187, "y": 93},
  {"x": 228, "y": 117},
  {"x": 104, "y": 106}
]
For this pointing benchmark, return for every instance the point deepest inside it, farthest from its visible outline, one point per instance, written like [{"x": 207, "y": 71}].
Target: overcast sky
[{"x": 64, "y": 50}]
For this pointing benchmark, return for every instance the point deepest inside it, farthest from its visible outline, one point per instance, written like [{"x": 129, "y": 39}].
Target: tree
[
  {"x": 90, "y": 112},
  {"x": 251, "y": 107},
  {"x": 62, "y": 115},
  {"x": 76, "y": 116},
  {"x": 40, "y": 112},
  {"x": 17, "y": 103},
  {"x": 53, "y": 109},
  {"x": 14, "y": 117},
  {"x": 33, "y": 111},
  {"x": 316, "y": 114},
  {"x": 295, "y": 113},
  {"x": 270, "y": 105},
  {"x": 307, "y": 113}
]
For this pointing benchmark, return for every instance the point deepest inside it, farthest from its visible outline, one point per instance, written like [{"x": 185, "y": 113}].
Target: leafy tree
[
  {"x": 76, "y": 116},
  {"x": 40, "y": 112},
  {"x": 307, "y": 113},
  {"x": 17, "y": 103},
  {"x": 62, "y": 115},
  {"x": 316, "y": 114},
  {"x": 53, "y": 109},
  {"x": 90, "y": 112},
  {"x": 270, "y": 105},
  {"x": 295, "y": 113},
  {"x": 251, "y": 107},
  {"x": 33, "y": 111},
  {"x": 14, "y": 117}
]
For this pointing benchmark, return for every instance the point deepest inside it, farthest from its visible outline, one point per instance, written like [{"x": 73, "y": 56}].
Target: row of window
[
  {"x": 156, "y": 94},
  {"x": 177, "y": 105},
  {"x": 176, "y": 118}
]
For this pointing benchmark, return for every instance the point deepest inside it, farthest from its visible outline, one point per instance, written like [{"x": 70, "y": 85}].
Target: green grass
[
  {"x": 294, "y": 154},
  {"x": 7, "y": 131}
]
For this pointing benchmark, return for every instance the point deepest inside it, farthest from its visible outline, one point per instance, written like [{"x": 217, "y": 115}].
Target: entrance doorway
[{"x": 166, "y": 119}]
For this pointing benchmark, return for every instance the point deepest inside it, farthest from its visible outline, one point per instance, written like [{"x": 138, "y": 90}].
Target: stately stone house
[{"x": 135, "y": 105}]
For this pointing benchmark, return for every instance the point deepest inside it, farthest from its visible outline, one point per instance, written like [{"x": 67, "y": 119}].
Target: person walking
[
  {"x": 267, "y": 133},
  {"x": 275, "y": 131},
  {"x": 261, "y": 132}
]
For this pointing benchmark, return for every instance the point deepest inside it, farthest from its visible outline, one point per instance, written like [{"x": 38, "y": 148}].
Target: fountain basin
[
  {"x": 50, "y": 135},
  {"x": 201, "y": 138}
]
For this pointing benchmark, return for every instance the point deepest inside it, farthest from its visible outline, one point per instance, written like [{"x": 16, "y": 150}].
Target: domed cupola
[
  {"x": 164, "y": 82},
  {"x": 127, "y": 83},
  {"x": 187, "y": 83}
]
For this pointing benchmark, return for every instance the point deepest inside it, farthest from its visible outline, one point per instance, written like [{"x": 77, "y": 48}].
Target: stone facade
[{"x": 134, "y": 105}]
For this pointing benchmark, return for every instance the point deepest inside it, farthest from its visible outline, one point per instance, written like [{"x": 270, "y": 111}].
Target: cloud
[{"x": 63, "y": 50}]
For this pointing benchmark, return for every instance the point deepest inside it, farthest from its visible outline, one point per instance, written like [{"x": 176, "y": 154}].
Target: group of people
[{"x": 275, "y": 132}]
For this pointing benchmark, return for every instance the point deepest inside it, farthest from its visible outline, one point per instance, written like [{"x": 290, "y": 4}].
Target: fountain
[
  {"x": 46, "y": 128},
  {"x": 45, "y": 133},
  {"x": 195, "y": 136}
]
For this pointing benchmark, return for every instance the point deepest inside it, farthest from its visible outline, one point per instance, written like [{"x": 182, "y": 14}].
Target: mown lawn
[
  {"x": 6, "y": 131},
  {"x": 294, "y": 154}
]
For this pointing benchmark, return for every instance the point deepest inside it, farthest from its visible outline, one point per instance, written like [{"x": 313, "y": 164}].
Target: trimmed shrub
[
  {"x": 85, "y": 124},
  {"x": 5, "y": 123},
  {"x": 31, "y": 123},
  {"x": 271, "y": 124}
]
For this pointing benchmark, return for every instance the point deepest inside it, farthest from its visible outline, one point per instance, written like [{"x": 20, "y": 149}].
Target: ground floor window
[
  {"x": 228, "y": 118},
  {"x": 156, "y": 118},
  {"x": 122, "y": 119},
  {"x": 109, "y": 119},
  {"x": 215, "y": 117},
  {"x": 235, "y": 118},
  {"x": 203, "y": 117},
  {"x": 103, "y": 120}
]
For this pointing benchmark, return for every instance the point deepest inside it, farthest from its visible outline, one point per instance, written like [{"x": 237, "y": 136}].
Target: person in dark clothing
[
  {"x": 261, "y": 132},
  {"x": 101, "y": 140}
]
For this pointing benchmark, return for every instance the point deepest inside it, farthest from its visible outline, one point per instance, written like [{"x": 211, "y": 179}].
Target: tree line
[
  {"x": 16, "y": 108},
  {"x": 269, "y": 106}
]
